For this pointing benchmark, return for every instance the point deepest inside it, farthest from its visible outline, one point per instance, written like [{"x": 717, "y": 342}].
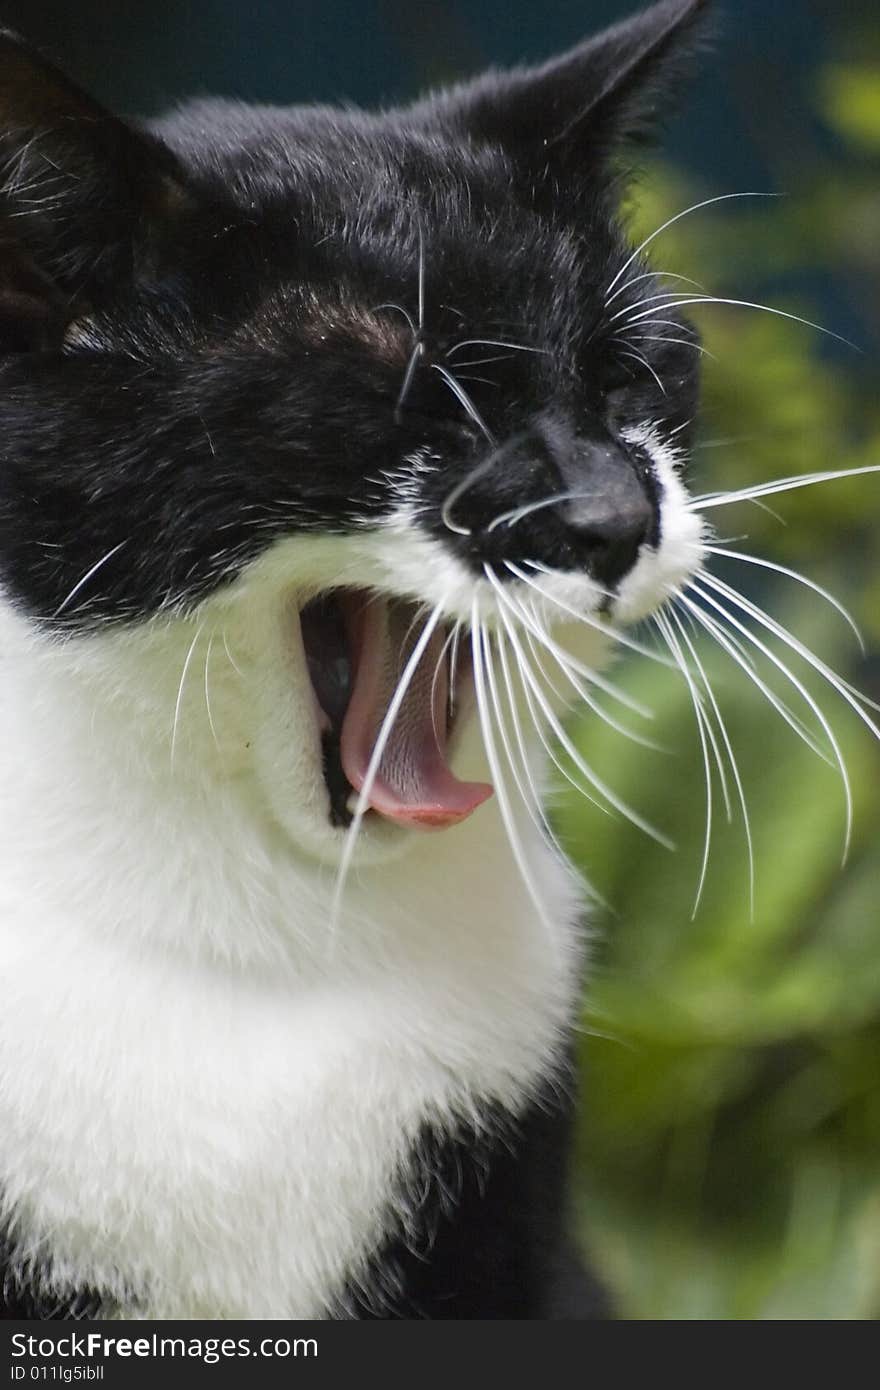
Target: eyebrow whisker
[
  {"x": 421, "y": 283},
  {"x": 400, "y": 310},
  {"x": 496, "y": 342},
  {"x": 417, "y": 352},
  {"x": 462, "y": 396}
]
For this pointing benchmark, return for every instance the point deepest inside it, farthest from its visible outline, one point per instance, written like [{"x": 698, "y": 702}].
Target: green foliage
[
  {"x": 728, "y": 1166},
  {"x": 850, "y": 99}
]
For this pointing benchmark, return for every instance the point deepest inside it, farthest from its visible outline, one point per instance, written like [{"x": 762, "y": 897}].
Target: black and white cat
[{"x": 299, "y": 410}]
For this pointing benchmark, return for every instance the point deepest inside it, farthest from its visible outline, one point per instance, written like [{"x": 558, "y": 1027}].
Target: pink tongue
[{"x": 414, "y": 784}]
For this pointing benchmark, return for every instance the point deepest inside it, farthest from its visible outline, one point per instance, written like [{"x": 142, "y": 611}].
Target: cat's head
[{"x": 377, "y": 376}]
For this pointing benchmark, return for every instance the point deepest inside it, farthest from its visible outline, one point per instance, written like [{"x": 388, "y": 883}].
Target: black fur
[
  {"x": 26, "y": 1292},
  {"x": 490, "y": 1235}
]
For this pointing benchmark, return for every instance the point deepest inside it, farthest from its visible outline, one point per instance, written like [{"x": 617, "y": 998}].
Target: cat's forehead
[
  {"x": 353, "y": 187},
  {"x": 322, "y": 155},
  {"x": 325, "y": 215}
]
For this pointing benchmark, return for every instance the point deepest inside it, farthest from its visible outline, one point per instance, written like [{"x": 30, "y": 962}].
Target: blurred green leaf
[{"x": 850, "y": 102}]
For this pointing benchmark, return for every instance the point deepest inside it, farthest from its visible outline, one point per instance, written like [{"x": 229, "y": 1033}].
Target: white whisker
[
  {"x": 531, "y": 798},
  {"x": 417, "y": 352},
  {"x": 482, "y": 361},
  {"x": 653, "y": 275},
  {"x": 453, "y": 663},
  {"x": 421, "y": 610},
  {"x": 400, "y": 309},
  {"x": 749, "y": 494},
  {"x": 677, "y": 342},
  {"x": 462, "y": 396},
  {"x": 421, "y": 284},
  {"x": 805, "y": 695},
  {"x": 544, "y": 822},
  {"x": 574, "y": 753},
  {"x": 483, "y": 380},
  {"x": 622, "y": 639},
  {"x": 739, "y": 304},
  {"x": 567, "y": 661},
  {"x": 87, "y": 576},
  {"x": 706, "y": 203},
  {"x": 437, "y": 669},
  {"x": 637, "y": 357},
  {"x": 800, "y": 578},
  {"x": 538, "y": 720},
  {"x": 516, "y": 515},
  {"x": 237, "y": 669},
  {"x": 678, "y": 429},
  {"x": 675, "y": 323},
  {"x": 177, "y": 706},
  {"x": 208, "y": 692},
  {"x": 852, "y": 697},
  {"x": 568, "y": 703},
  {"x": 584, "y": 695},
  {"x": 478, "y": 639},
  {"x": 734, "y": 649},
  {"x": 670, "y": 615},
  {"x": 379, "y": 746},
  {"x": 659, "y": 298},
  {"x": 734, "y": 766},
  {"x": 478, "y": 471},
  {"x": 496, "y": 342},
  {"x": 702, "y": 723}
]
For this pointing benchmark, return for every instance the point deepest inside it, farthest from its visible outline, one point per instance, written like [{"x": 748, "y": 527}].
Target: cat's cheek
[
  {"x": 286, "y": 739},
  {"x": 408, "y": 561}
]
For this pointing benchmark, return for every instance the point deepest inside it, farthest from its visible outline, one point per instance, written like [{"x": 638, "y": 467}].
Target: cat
[{"x": 321, "y": 432}]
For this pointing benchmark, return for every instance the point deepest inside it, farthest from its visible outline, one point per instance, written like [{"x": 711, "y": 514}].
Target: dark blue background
[{"x": 747, "y": 118}]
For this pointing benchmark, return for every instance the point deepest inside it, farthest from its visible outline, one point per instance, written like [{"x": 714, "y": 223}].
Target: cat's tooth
[{"x": 351, "y": 804}]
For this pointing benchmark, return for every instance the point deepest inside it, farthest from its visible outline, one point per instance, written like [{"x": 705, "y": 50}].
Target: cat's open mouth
[{"x": 358, "y": 647}]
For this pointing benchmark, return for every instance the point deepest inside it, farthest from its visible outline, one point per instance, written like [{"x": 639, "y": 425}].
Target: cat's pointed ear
[
  {"x": 81, "y": 193},
  {"x": 612, "y": 89}
]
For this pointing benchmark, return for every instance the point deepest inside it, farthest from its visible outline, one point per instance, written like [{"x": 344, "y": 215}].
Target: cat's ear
[
  {"x": 81, "y": 196},
  {"x": 611, "y": 90}
]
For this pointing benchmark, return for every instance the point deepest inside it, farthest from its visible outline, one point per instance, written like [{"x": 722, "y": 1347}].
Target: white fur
[
  {"x": 660, "y": 572},
  {"x": 206, "y": 1096}
]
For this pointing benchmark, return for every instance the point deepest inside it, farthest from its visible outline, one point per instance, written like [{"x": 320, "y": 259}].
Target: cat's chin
[{"x": 316, "y": 838}]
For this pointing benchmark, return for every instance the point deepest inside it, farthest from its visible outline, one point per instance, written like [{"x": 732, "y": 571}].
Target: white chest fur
[{"x": 200, "y": 1110}]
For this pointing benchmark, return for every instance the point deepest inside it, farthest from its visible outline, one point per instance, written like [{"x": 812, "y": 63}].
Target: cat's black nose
[
  {"x": 569, "y": 499},
  {"x": 612, "y": 518}
]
